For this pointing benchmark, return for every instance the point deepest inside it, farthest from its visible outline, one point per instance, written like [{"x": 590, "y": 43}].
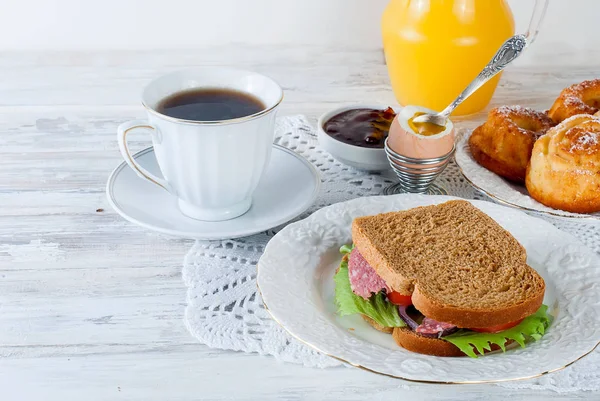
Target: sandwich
[{"x": 443, "y": 280}]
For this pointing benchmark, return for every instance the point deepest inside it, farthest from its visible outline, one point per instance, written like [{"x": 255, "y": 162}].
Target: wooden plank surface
[{"x": 91, "y": 306}]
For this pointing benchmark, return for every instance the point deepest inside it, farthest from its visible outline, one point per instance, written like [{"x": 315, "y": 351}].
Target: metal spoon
[{"x": 510, "y": 50}]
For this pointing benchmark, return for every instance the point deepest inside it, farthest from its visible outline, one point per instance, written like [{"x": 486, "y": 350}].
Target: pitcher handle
[
  {"x": 539, "y": 11},
  {"x": 122, "y": 132}
]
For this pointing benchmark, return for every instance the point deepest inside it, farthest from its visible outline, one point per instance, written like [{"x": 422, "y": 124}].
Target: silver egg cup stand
[{"x": 416, "y": 175}]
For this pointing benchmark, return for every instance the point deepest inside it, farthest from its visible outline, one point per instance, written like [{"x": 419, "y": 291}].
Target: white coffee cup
[{"x": 212, "y": 167}]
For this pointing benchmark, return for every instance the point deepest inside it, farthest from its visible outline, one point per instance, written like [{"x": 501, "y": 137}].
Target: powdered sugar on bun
[
  {"x": 586, "y": 142},
  {"x": 564, "y": 171},
  {"x": 504, "y": 142},
  {"x": 581, "y": 98}
]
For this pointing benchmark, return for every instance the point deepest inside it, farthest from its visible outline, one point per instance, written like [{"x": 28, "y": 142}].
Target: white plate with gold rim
[
  {"x": 295, "y": 277},
  {"x": 502, "y": 190}
]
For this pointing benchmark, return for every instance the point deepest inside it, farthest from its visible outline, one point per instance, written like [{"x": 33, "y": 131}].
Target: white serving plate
[
  {"x": 502, "y": 190},
  {"x": 295, "y": 277}
]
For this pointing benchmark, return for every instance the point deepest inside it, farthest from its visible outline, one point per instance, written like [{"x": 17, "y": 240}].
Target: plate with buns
[
  {"x": 434, "y": 289},
  {"x": 544, "y": 162}
]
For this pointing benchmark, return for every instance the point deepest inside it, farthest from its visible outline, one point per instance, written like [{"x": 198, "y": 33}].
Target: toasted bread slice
[
  {"x": 408, "y": 339},
  {"x": 460, "y": 266}
]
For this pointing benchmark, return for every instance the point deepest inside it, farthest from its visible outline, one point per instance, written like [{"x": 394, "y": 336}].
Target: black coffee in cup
[{"x": 210, "y": 104}]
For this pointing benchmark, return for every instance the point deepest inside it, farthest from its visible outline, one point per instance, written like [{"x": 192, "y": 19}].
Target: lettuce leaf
[
  {"x": 348, "y": 303},
  {"x": 346, "y": 249},
  {"x": 532, "y": 327}
]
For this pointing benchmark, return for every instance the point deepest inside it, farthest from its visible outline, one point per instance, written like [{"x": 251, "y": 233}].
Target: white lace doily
[{"x": 224, "y": 310}]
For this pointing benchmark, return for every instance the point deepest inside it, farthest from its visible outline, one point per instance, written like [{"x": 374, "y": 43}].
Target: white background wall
[{"x": 159, "y": 24}]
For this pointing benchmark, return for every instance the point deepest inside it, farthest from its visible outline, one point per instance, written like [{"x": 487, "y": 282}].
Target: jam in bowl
[{"x": 355, "y": 135}]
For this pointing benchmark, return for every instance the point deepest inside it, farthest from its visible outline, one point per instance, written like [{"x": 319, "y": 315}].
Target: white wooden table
[{"x": 91, "y": 306}]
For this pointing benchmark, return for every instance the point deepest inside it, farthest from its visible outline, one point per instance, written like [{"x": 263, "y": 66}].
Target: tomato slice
[
  {"x": 496, "y": 329},
  {"x": 398, "y": 299}
]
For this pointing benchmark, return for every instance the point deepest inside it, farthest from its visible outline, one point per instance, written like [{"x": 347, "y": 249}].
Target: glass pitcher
[{"x": 434, "y": 48}]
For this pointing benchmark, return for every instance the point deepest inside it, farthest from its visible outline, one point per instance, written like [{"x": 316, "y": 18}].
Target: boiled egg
[{"x": 418, "y": 140}]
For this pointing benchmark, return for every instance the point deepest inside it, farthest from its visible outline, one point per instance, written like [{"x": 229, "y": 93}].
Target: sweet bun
[
  {"x": 564, "y": 172},
  {"x": 581, "y": 98},
  {"x": 504, "y": 142}
]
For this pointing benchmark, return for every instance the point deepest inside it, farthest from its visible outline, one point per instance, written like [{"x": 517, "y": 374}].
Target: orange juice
[{"x": 434, "y": 48}]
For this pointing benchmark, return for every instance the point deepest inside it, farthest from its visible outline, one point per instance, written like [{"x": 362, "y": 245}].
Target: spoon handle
[{"x": 510, "y": 50}]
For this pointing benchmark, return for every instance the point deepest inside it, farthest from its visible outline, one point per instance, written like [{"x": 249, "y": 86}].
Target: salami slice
[
  {"x": 363, "y": 278},
  {"x": 433, "y": 328}
]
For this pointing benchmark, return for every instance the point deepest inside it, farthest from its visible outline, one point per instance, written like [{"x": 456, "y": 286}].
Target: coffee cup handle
[{"x": 122, "y": 132}]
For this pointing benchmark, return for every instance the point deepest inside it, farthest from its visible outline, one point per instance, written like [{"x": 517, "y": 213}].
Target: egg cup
[
  {"x": 416, "y": 175},
  {"x": 417, "y": 159}
]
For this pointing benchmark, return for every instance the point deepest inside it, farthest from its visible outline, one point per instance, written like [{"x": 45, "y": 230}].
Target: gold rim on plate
[{"x": 401, "y": 377}]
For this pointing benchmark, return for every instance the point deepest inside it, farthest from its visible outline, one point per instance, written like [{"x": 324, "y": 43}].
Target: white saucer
[{"x": 288, "y": 188}]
